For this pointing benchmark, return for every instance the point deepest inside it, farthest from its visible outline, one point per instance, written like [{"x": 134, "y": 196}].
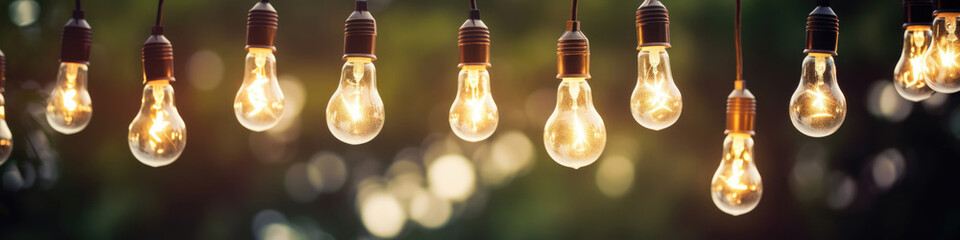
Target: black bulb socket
[
  {"x": 823, "y": 29},
  {"x": 76, "y": 40},
  {"x": 947, "y": 6},
  {"x": 360, "y": 33},
  {"x": 157, "y": 57},
  {"x": 917, "y": 13}
]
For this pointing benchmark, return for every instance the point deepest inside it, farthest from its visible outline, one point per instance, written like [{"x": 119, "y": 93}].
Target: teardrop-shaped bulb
[
  {"x": 474, "y": 116},
  {"x": 355, "y": 112},
  {"x": 259, "y": 102},
  {"x": 817, "y": 107},
  {"x": 69, "y": 108},
  {"x": 736, "y": 186},
  {"x": 656, "y": 101},
  {"x": 574, "y": 135},
  {"x": 6, "y": 138},
  {"x": 157, "y": 136},
  {"x": 944, "y": 56},
  {"x": 909, "y": 77}
]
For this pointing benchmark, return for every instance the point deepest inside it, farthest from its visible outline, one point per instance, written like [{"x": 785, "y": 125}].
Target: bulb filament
[
  {"x": 655, "y": 83},
  {"x": 256, "y": 91},
  {"x": 914, "y": 78},
  {"x": 159, "y": 122},
  {"x": 354, "y": 107},
  {"x": 819, "y": 98},
  {"x": 476, "y": 98}
]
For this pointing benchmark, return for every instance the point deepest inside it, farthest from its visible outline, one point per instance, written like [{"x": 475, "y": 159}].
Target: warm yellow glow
[
  {"x": 157, "y": 136},
  {"x": 944, "y": 68},
  {"x": 259, "y": 103},
  {"x": 69, "y": 107},
  {"x": 574, "y": 135},
  {"x": 355, "y": 111},
  {"x": 818, "y": 107},
  {"x": 6, "y": 138},
  {"x": 911, "y": 73},
  {"x": 656, "y": 102},
  {"x": 473, "y": 115},
  {"x": 736, "y": 186}
]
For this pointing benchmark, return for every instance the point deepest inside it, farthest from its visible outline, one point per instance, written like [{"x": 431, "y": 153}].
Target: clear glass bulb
[
  {"x": 656, "y": 102},
  {"x": 943, "y": 58},
  {"x": 6, "y": 138},
  {"x": 69, "y": 108},
  {"x": 818, "y": 107},
  {"x": 909, "y": 77},
  {"x": 736, "y": 187},
  {"x": 259, "y": 102},
  {"x": 474, "y": 115},
  {"x": 157, "y": 135},
  {"x": 574, "y": 135},
  {"x": 355, "y": 112}
]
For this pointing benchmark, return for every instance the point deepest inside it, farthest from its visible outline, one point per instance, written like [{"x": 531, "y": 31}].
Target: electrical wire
[
  {"x": 159, "y": 13},
  {"x": 739, "y": 47},
  {"x": 473, "y": 4},
  {"x": 78, "y": 5},
  {"x": 573, "y": 11}
]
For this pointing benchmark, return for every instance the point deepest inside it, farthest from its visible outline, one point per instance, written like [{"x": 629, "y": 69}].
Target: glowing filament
[
  {"x": 661, "y": 98},
  {"x": 256, "y": 92},
  {"x": 159, "y": 122},
  {"x": 914, "y": 78}
]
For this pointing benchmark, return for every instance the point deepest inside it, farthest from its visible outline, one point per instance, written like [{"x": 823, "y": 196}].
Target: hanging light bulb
[
  {"x": 818, "y": 108},
  {"x": 944, "y": 56},
  {"x": 574, "y": 135},
  {"x": 910, "y": 75},
  {"x": 355, "y": 111},
  {"x": 69, "y": 108},
  {"x": 6, "y": 138},
  {"x": 259, "y": 102},
  {"x": 474, "y": 116},
  {"x": 736, "y": 186},
  {"x": 656, "y": 101},
  {"x": 157, "y": 136}
]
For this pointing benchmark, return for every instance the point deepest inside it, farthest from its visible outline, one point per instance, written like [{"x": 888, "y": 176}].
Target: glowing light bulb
[
  {"x": 656, "y": 102},
  {"x": 259, "y": 103},
  {"x": 69, "y": 108},
  {"x": 6, "y": 138},
  {"x": 817, "y": 107},
  {"x": 736, "y": 187},
  {"x": 943, "y": 57},
  {"x": 355, "y": 112},
  {"x": 574, "y": 135},
  {"x": 157, "y": 136},
  {"x": 474, "y": 115},
  {"x": 911, "y": 73}
]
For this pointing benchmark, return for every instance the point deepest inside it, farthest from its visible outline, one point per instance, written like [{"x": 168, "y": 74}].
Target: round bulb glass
[
  {"x": 656, "y": 103},
  {"x": 574, "y": 135},
  {"x": 474, "y": 116},
  {"x": 355, "y": 112},
  {"x": 817, "y": 107}
]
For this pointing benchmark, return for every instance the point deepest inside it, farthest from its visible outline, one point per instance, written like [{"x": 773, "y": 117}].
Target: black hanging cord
[
  {"x": 473, "y": 4},
  {"x": 265, "y": 1},
  {"x": 78, "y": 5},
  {"x": 573, "y": 11},
  {"x": 159, "y": 13},
  {"x": 78, "y": 12},
  {"x": 738, "y": 44}
]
